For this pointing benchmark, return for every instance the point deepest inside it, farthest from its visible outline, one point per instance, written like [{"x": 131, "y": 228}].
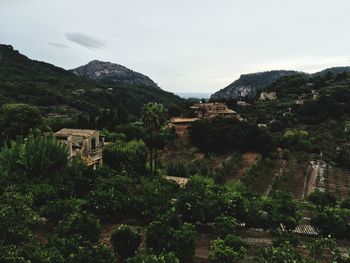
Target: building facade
[{"x": 86, "y": 145}]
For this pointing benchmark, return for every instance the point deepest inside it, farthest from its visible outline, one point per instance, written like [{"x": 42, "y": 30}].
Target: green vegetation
[
  {"x": 125, "y": 242},
  {"x": 69, "y": 98},
  {"x": 228, "y": 135},
  {"x": 240, "y": 177}
]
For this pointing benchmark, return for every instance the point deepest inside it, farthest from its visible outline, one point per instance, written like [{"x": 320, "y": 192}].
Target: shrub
[
  {"x": 225, "y": 225},
  {"x": 171, "y": 235},
  {"x": 229, "y": 249},
  {"x": 17, "y": 218},
  {"x": 131, "y": 156},
  {"x": 79, "y": 225},
  {"x": 148, "y": 257},
  {"x": 125, "y": 242},
  {"x": 37, "y": 156},
  {"x": 57, "y": 210}
]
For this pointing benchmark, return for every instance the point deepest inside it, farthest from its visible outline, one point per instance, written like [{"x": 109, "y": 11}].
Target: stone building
[{"x": 86, "y": 145}]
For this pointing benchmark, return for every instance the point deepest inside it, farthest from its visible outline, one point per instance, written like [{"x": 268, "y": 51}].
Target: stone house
[{"x": 86, "y": 145}]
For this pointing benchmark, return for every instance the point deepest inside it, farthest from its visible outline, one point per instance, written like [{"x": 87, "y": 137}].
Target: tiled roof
[{"x": 75, "y": 132}]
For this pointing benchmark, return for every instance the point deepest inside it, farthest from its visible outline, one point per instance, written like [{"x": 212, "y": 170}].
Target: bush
[
  {"x": 37, "y": 156},
  {"x": 110, "y": 196},
  {"x": 229, "y": 249},
  {"x": 57, "y": 210},
  {"x": 18, "y": 120},
  {"x": 18, "y": 221},
  {"x": 222, "y": 135},
  {"x": 153, "y": 197},
  {"x": 42, "y": 193},
  {"x": 131, "y": 156},
  {"x": 75, "y": 251},
  {"x": 79, "y": 225},
  {"x": 283, "y": 253},
  {"x": 125, "y": 242},
  {"x": 148, "y": 257},
  {"x": 332, "y": 221},
  {"x": 171, "y": 235},
  {"x": 225, "y": 225}
]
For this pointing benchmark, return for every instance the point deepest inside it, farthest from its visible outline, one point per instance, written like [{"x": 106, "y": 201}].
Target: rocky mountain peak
[{"x": 101, "y": 70}]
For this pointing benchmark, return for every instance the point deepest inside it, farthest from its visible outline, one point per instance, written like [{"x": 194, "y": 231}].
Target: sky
[{"x": 183, "y": 45}]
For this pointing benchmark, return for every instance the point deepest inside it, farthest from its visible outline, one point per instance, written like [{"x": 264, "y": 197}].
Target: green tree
[
  {"x": 197, "y": 201},
  {"x": 37, "y": 156},
  {"x": 281, "y": 209},
  {"x": 18, "y": 120},
  {"x": 74, "y": 250},
  {"x": 169, "y": 234},
  {"x": 79, "y": 225},
  {"x": 153, "y": 197},
  {"x": 153, "y": 117},
  {"x": 332, "y": 221},
  {"x": 58, "y": 209},
  {"x": 285, "y": 253},
  {"x": 110, "y": 196},
  {"x": 322, "y": 199},
  {"x": 229, "y": 249},
  {"x": 18, "y": 221},
  {"x": 125, "y": 242},
  {"x": 130, "y": 156},
  {"x": 149, "y": 257},
  {"x": 225, "y": 225},
  {"x": 320, "y": 247}
]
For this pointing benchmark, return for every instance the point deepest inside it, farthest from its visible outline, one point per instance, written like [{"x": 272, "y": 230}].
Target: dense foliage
[
  {"x": 222, "y": 135},
  {"x": 60, "y": 92}
]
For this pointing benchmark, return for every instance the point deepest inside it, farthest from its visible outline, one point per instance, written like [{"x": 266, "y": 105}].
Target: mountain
[
  {"x": 58, "y": 91},
  {"x": 248, "y": 84},
  {"x": 99, "y": 70},
  {"x": 334, "y": 71}
]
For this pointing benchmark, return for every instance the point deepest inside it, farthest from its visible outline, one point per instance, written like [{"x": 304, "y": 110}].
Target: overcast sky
[{"x": 183, "y": 45}]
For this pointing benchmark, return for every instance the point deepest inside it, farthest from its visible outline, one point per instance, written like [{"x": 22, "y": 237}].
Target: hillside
[
  {"x": 248, "y": 85},
  {"x": 99, "y": 70},
  {"x": 318, "y": 105},
  {"x": 58, "y": 91}
]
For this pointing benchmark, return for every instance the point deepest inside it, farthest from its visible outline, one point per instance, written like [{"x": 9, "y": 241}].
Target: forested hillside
[{"x": 57, "y": 91}]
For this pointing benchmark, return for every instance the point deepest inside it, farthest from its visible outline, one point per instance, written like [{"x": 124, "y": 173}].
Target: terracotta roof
[
  {"x": 183, "y": 120},
  {"x": 75, "y": 132}
]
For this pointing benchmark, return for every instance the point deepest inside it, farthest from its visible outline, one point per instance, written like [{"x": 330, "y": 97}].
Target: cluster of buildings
[
  {"x": 202, "y": 111},
  {"x": 87, "y": 145}
]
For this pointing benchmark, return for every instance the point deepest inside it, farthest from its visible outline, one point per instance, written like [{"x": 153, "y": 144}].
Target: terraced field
[{"x": 333, "y": 179}]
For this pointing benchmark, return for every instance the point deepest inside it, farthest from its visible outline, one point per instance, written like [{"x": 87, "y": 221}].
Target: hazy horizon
[{"x": 185, "y": 46}]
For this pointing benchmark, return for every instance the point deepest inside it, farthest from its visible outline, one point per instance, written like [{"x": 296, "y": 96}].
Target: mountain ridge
[
  {"x": 58, "y": 91},
  {"x": 248, "y": 85},
  {"x": 108, "y": 71}
]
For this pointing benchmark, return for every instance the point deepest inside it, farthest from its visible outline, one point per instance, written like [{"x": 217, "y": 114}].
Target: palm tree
[{"x": 153, "y": 117}]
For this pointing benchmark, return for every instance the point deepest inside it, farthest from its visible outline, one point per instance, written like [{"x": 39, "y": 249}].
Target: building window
[{"x": 93, "y": 143}]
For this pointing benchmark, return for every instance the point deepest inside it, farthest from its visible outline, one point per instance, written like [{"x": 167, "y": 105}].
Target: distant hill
[
  {"x": 334, "y": 71},
  {"x": 248, "y": 85},
  {"x": 58, "y": 91},
  {"x": 99, "y": 70}
]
